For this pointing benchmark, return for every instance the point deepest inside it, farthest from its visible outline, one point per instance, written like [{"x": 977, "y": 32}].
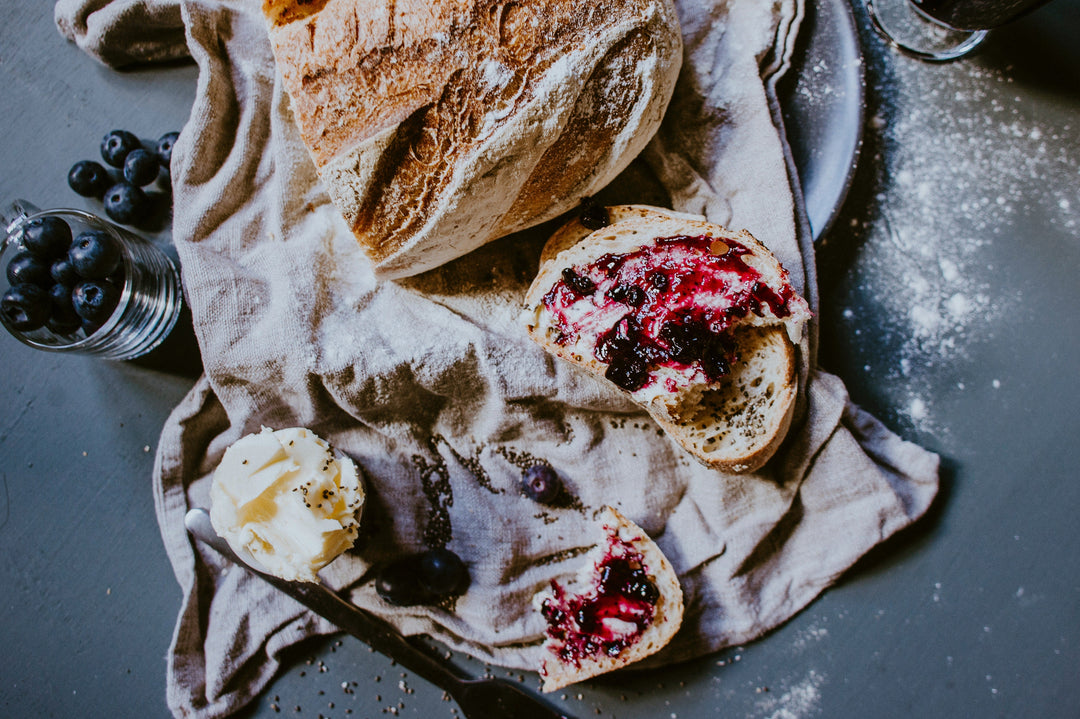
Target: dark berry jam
[
  {"x": 609, "y": 618},
  {"x": 580, "y": 284},
  {"x": 670, "y": 303}
]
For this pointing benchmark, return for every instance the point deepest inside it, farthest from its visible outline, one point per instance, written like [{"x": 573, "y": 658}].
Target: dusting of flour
[
  {"x": 962, "y": 160},
  {"x": 797, "y": 700}
]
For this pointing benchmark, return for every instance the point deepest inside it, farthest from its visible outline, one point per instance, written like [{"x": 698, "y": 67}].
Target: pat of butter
[{"x": 287, "y": 500}]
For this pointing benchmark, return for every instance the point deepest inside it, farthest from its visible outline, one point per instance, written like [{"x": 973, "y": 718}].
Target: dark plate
[{"x": 823, "y": 104}]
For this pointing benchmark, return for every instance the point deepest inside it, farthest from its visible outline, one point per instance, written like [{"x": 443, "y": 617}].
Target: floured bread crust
[
  {"x": 734, "y": 423},
  {"x": 440, "y": 125},
  {"x": 667, "y": 616}
]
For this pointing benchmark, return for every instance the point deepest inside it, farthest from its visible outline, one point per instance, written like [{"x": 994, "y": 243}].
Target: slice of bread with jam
[{"x": 696, "y": 322}]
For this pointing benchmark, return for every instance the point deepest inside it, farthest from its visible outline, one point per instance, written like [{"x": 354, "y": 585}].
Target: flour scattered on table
[
  {"x": 798, "y": 701},
  {"x": 808, "y": 636},
  {"x": 949, "y": 183}
]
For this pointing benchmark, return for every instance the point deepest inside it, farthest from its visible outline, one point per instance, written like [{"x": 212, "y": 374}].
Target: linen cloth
[{"x": 431, "y": 385}]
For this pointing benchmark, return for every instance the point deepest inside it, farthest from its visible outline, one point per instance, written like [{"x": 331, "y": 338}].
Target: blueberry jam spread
[
  {"x": 669, "y": 303},
  {"x": 610, "y": 617}
]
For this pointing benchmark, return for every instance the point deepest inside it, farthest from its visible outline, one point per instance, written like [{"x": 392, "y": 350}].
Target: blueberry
[
  {"x": 164, "y": 147},
  {"x": 579, "y": 283},
  {"x": 141, "y": 167},
  {"x": 442, "y": 573},
  {"x": 628, "y": 372},
  {"x": 25, "y": 307},
  {"x": 584, "y": 619},
  {"x": 126, "y": 203},
  {"x": 95, "y": 254},
  {"x": 90, "y": 327},
  {"x": 60, "y": 327},
  {"x": 541, "y": 483},
  {"x": 593, "y": 215},
  {"x": 89, "y": 178},
  {"x": 95, "y": 300},
  {"x": 642, "y": 589},
  {"x": 628, "y": 294},
  {"x": 553, "y": 614},
  {"x": 686, "y": 341},
  {"x": 624, "y": 338},
  {"x": 29, "y": 269},
  {"x": 47, "y": 237},
  {"x": 399, "y": 583},
  {"x": 63, "y": 319},
  {"x": 116, "y": 145},
  {"x": 714, "y": 361},
  {"x": 63, "y": 271}
]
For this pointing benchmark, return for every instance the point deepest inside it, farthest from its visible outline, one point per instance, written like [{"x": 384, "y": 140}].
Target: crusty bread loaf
[
  {"x": 561, "y": 666},
  {"x": 713, "y": 362},
  {"x": 440, "y": 125}
]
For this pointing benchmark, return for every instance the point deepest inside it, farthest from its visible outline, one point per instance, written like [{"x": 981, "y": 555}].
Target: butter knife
[{"x": 487, "y": 697}]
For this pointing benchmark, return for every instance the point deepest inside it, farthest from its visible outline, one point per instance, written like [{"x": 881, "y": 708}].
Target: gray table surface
[{"x": 949, "y": 297}]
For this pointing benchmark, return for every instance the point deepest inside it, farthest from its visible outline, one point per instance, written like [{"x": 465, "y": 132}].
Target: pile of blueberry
[
  {"x": 134, "y": 168},
  {"x": 62, "y": 283}
]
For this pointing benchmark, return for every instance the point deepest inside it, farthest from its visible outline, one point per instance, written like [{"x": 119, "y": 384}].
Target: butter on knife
[{"x": 288, "y": 500}]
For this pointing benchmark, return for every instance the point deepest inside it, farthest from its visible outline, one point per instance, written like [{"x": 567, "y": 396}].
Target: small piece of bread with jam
[{"x": 624, "y": 605}]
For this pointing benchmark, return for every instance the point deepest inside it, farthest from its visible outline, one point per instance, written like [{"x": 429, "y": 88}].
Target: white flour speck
[
  {"x": 795, "y": 702},
  {"x": 804, "y": 637},
  {"x": 917, "y": 409}
]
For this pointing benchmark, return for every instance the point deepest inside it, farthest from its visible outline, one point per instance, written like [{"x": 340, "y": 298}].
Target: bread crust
[
  {"x": 440, "y": 125},
  {"x": 667, "y": 616},
  {"x": 733, "y": 425}
]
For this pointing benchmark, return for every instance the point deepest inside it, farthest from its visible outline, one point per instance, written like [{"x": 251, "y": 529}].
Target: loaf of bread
[
  {"x": 624, "y": 604},
  {"x": 439, "y": 125},
  {"x": 696, "y": 322}
]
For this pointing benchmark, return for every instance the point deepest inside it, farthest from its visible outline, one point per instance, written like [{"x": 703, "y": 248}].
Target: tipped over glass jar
[
  {"x": 76, "y": 283},
  {"x": 939, "y": 30}
]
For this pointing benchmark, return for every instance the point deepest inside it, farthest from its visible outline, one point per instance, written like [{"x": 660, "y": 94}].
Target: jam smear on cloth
[
  {"x": 670, "y": 303},
  {"x": 608, "y": 618}
]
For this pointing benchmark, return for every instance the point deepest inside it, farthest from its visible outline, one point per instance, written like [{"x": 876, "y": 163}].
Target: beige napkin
[{"x": 431, "y": 385}]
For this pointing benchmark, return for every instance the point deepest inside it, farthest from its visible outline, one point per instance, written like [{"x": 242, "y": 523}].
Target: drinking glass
[
  {"x": 146, "y": 287},
  {"x": 939, "y": 30}
]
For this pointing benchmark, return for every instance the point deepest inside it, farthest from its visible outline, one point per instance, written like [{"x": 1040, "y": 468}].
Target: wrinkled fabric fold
[
  {"x": 431, "y": 385},
  {"x": 121, "y": 33}
]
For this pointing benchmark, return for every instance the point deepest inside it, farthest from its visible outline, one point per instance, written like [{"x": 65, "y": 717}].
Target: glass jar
[{"x": 119, "y": 316}]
